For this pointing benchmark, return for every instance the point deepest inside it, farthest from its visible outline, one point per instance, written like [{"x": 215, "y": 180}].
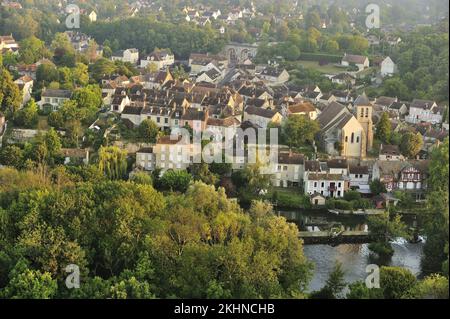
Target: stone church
[{"x": 343, "y": 134}]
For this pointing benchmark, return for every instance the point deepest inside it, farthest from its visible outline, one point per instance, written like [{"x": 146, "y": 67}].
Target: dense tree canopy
[{"x": 132, "y": 242}]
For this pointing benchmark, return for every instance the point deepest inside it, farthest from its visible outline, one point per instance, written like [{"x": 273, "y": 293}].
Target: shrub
[
  {"x": 396, "y": 281},
  {"x": 321, "y": 57},
  {"x": 382, "y": 249},
  {"x": 352, "y": 195}
]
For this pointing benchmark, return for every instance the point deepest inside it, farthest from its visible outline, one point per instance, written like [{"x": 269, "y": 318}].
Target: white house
[
  {"x": 288, "y": 171},
  {"x": 119, "y": 102},
  {"x": 325, "y": 184},
  {"x": 359, "y": 178},
  {"x": 344, "y": 79},
  {"x": 303, "y": 108},
  {"x": 362, "y": 62},
  {"x": 261, "y": 117},
  {"x": 424, "y": 111},
  {"x": 274, "y": 75},
  {"x": 388, "y": 67},
  {"x": 145, "y": 159},
  {"x": 54, "y": 99},
  {"x": 128, "y": 55},
  {"x": 92, "y": 16},
  {"x": 159, "y": 59}
]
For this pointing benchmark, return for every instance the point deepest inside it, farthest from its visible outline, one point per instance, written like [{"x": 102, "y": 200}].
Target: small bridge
[{"x": 335, "y": 238}]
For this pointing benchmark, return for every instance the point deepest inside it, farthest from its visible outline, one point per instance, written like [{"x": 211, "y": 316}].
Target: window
[
  {"x": 346, "y": 139},
  {"x": 357, "y": 139},
  {"x": 339, "y": 184},
  {"x": 285, "y": 168},
  {"x": 362, "y": 112},
  {"x": 315, "y": 184},
  {"x": 166, "y": 120},
  {"x": 158, "y": 119},
  {"x": 367, "y": 112},
  {"x": 353, "y": 137},
  {"x": 323, "y": 184}
]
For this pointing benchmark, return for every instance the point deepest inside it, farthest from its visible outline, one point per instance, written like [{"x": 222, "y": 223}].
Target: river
[{"x": 354, "y": 257}]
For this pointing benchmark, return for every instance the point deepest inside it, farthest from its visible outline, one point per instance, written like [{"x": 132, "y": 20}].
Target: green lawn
[
  {"x": 328, "y": 69},
  {"x": 290, "y": 197}
]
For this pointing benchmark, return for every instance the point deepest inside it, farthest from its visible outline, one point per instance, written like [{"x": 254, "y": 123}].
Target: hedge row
[{"x": 331, "y": 58}]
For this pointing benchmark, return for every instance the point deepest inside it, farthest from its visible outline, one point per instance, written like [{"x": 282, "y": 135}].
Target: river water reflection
[{"x": 354, "y": 257}]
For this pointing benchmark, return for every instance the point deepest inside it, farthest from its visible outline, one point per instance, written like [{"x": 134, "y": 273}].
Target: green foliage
[
  {"x": 384, "y": 228},
  {"x": 352, "y": 195},
  {"x": 33, "y": 49},
  {"x": 330, "y": 58},
  {"x": 436, "y": 216},
  {"x": 336, "y": 282},
  {"x": 377, "y": 187},
  {"x": 411, "y": 144},
  {"x": 418, "y": 56},
  {"x": 46, "y": 73},
  {"x": 339, "y": 204},
  {"x": 88, "y": 97},
  {"x": 182, "y": 40},
  {"x": 383, "y": 129},
  {"x": 132, "y": 242},
  {"x": 27, "y": 116},
  {"x": 359, "y": 290},
  {"x": 253, "y": 181},
  {"x": 175, "y": 181},
  {"x": 12, "y": 156},
  {"x": 299, "y": 130},
  {"x": 220, "y": 169},
  {"x": 395, "y": 281},
  {"x": 148, "y": 131},
  {"x": 290, "y": 198},
  {"x": 395, "y": 87},
  {"x": 431, "y": 287},
  {"x": 10, "y": 97},
  {"x": 25, "y": 283},
  {"x": 142, "y": 178},
  {"x": 383, "y": 249},
  {"x": 113, "y": 162},
  {"x": 202, "y": 172},
  {"x": 334, "y": 285}
]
